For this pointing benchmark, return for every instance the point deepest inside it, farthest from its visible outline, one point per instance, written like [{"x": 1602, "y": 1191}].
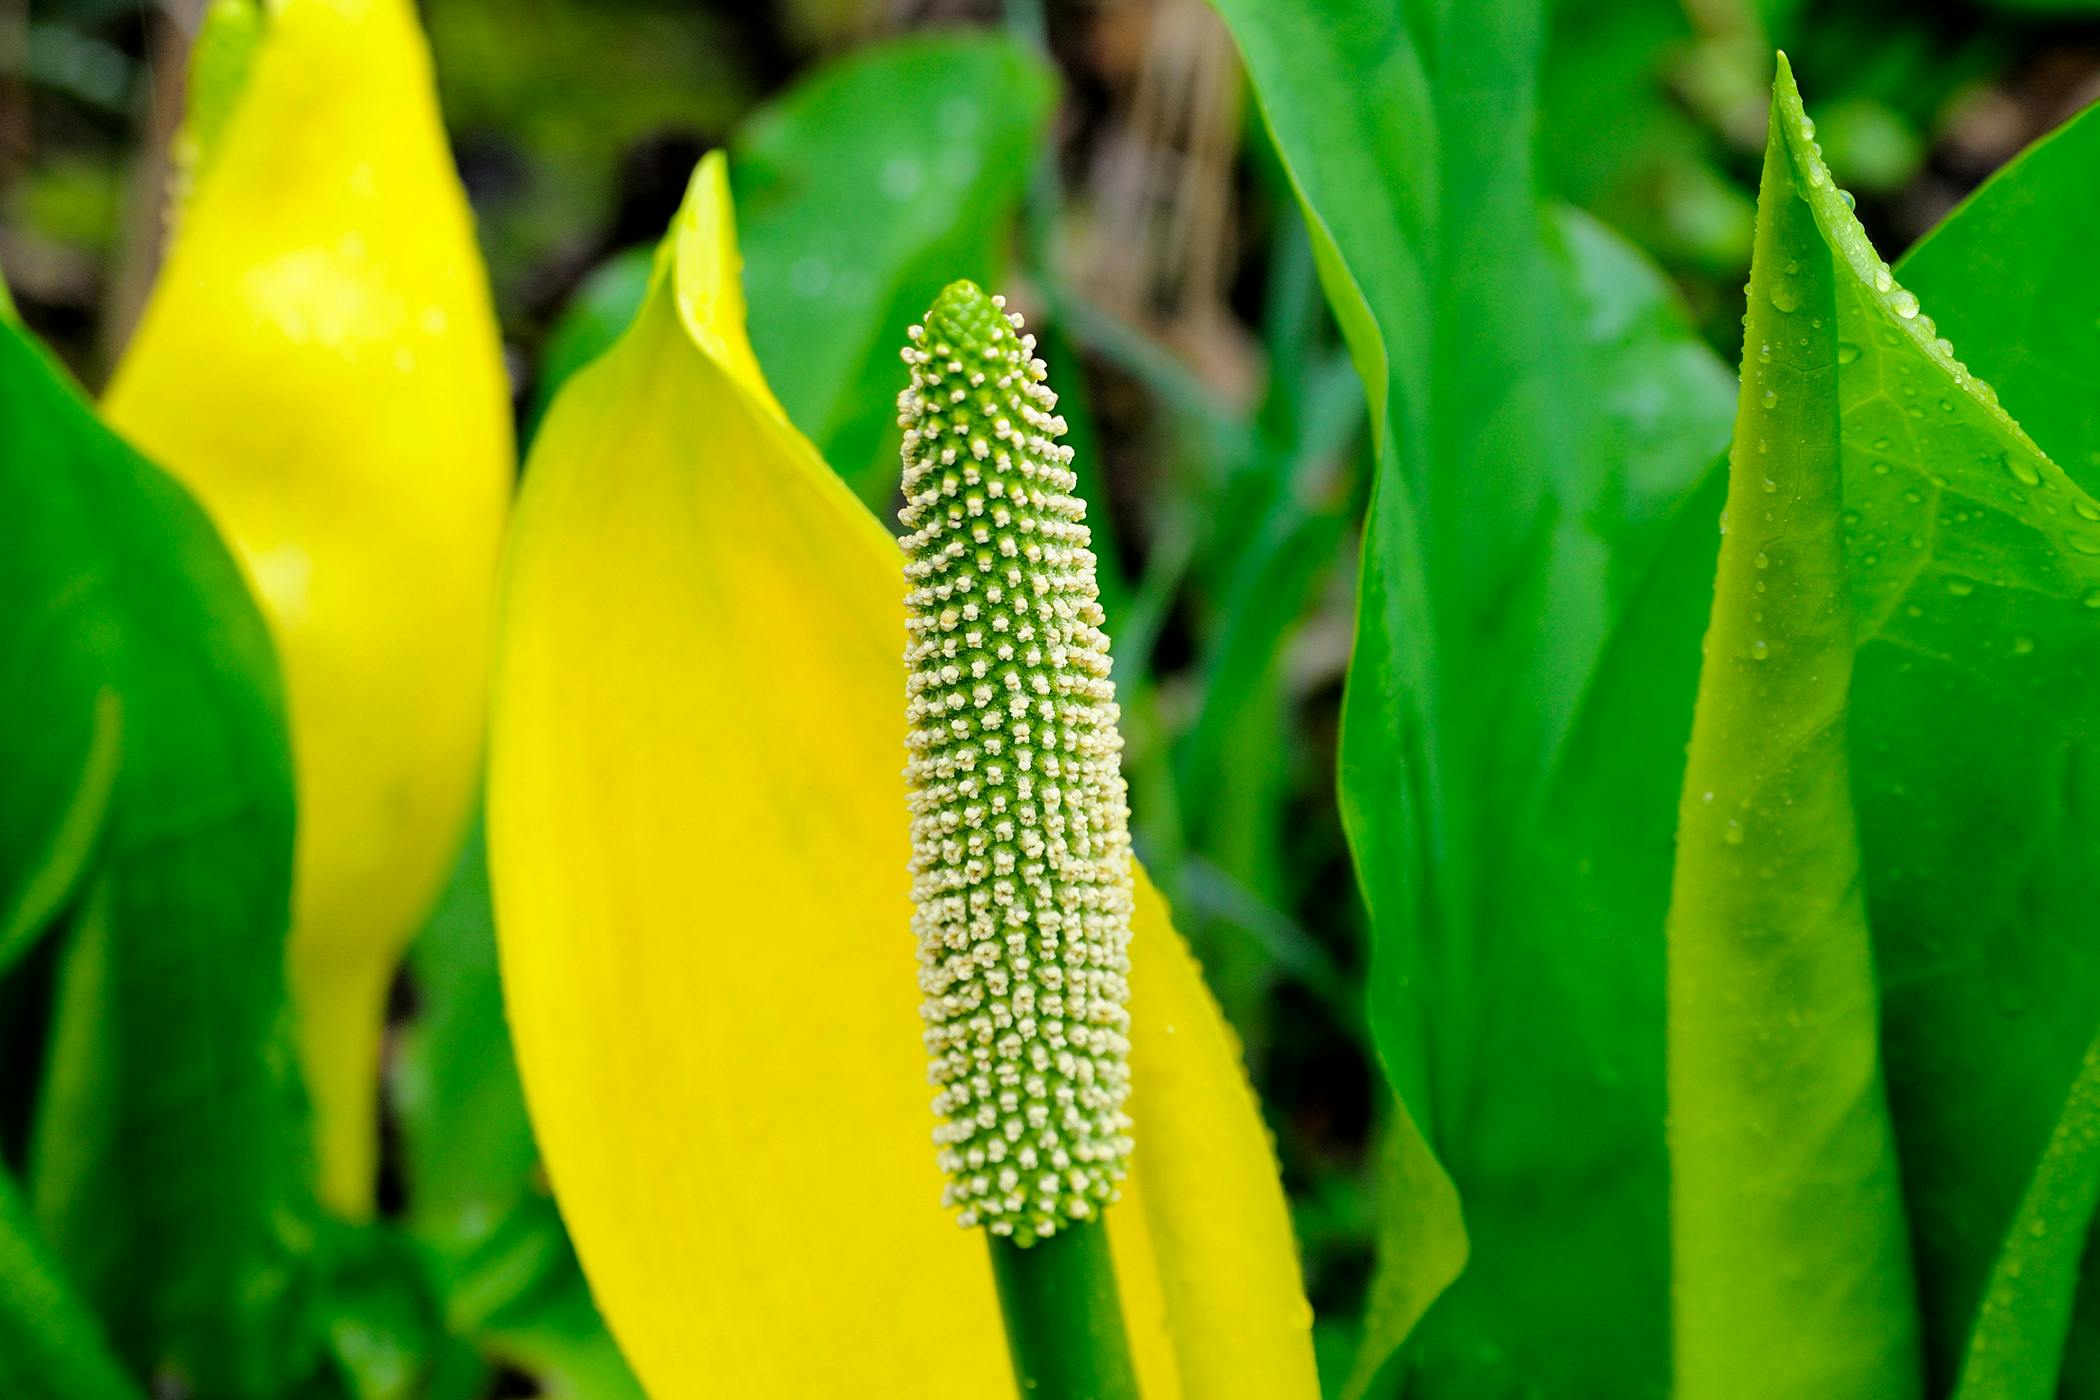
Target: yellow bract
[
  {"x": 320, "y": 365},
  {"x": 699, "y": 845}
]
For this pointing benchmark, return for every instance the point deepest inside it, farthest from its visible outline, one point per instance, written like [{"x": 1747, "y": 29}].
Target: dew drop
[
  {"x": 1771, "y": 486},
  {"x": 1882, "y": 280},
  {"x": 1784, "y": 298},
  {"x": 2023, "y": 646},
  {"x": 1733, "y": 835},
  {"x": 2027, "y": 474},
  {"x": 2091, "y": 598},
  {"x": 1850, "y": 202},
  {"x": 2086, "y": 508},
  {"x": 1771, "y": 397},
  {"x": 1904, "y": 302},
  {"x": 1759, "y": 651},
  {"x": 1961, "y": 587},
  {"x": 1847, "y": 352},
  {"x": 1763, "y": 560}
]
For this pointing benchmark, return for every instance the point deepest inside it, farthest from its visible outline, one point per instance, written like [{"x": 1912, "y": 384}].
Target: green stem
[{"x": 1064, "y": 1320}]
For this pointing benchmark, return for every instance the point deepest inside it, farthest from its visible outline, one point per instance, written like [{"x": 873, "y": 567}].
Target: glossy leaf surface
[
  {"x": 1522, "y": 489},
  {"x": 167, "y": 1163},
  {"x": 1971, "y": 562},
  {"x": 2016, "y": 1350},
  {"x": 1790, "y": 1260}
]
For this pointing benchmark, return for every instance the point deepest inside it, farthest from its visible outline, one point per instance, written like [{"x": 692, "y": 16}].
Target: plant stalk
[{"x": 1064, "y": 1318}]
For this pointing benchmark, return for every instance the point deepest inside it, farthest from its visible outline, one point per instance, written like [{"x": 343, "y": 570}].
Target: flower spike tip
[{"x": 1021, "y": 858}]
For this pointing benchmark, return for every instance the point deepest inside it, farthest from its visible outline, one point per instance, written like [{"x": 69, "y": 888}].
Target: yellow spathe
[
  {"x": 320, "y": 365},
  {"x": 698, "y": 843}
]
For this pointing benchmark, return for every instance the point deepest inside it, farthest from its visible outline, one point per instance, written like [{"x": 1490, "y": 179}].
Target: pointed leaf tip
[{"x": 707, "y": 272}]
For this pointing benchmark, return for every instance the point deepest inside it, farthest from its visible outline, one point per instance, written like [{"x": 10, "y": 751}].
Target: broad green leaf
[
  {"x": 1789, "y": 1257},
  {"x": 860, "y": 194},
  {"x": 2016, "y": 1351},
  {"x": 50, "y": 1347},
  {"x": 385, "y": 1328},
  {"x": 40, "y": 874},
  {"x": 167, "y": 1164},
  {"x": 1976, "y": 582},
  {"x": 592, "y": 320},
  {"x": 503, "y": 1264},
  {"x": 1997, "y": 271},
  {"x": 526, "y": 1304},
  {"x": 2023, "y": 319},
  {"x": 1521, "y": 487},
  {"x": 1420, "y": 1249},
  {"x": 467, "y": 1150},
  {"x": 1975, "y": 574}
]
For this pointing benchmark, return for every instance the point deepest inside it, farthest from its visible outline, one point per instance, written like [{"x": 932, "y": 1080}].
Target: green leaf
[
  {"x": 1976, "y": 584},
  {"x": 509, "y": 1279},
  {"x": 166, "y": 1162},
  {"x": 859, "y": 196},
  {"x": 1528, "y": 474},
  {"x": 58, "y": 859},
  {"x": 546, "y": 1323},
  {"x": 385, "y": 1327},
  {"x": 593, "y": 319},
  {"x": 1421, "y": 1249},
  {"x": 2006, "y": 276},
  {"x": 467, "y": 1148},
  {"x": 50, "y": 1347},
  {"x": 1974, "y": 566},
  {"x": 221, "y": 57},
  {"x": 1790, "y": 1262},
  {"x": 2016, "y": 1351},
  {"x": 1996, "y": 272}
]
